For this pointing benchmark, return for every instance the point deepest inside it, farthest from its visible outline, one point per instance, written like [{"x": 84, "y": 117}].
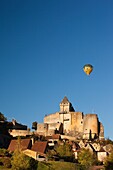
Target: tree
[
  {"x": 22, "y": 162},
  {"x": 109, "y": 162},
  {"x": 51, "y": 154},
  {"x": 34, "y": 125},
  {"x": 4, "y": 152},
  {"x": 2, "y": 117},
  {"x": 64, "y": 150},
  {"x": 19, "y": 161},
  {"x": 5, "y": 158},
  {"x": 86, "y": 158}
]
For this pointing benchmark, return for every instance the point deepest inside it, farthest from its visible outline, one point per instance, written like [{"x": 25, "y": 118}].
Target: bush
[
  {"x": 6, "y": 162},
  {"x": 33, "y": 164},
  {"x": 4, "y": 152},
  {"x": 109, "y": 162}
]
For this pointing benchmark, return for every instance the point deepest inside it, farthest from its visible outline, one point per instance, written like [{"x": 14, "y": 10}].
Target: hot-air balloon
[{"x": 88, "y": 68}]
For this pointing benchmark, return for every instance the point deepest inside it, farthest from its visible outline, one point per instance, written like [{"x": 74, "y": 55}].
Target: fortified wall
[{"x": 69, "y": 122}]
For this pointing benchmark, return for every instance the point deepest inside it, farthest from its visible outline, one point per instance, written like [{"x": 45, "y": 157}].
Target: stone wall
[
  {"x": 90, "y": 126},
  {"x": 15, "y": 133},
  {"x": 75, "y": 124},
  {"x": 52, "y": 118},
  {"x": 65, "y": 118},
  {"x": 101, "y": 132},
  {"x": 42, "y": 128},
  {"x": 64, "y": 107},
  {"x": 77, "y": 121}
]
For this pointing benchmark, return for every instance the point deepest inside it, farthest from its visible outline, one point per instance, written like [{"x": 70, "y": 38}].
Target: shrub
[
  {"x": 6, "y": 162},
  {"x": 109, "y": 162}
]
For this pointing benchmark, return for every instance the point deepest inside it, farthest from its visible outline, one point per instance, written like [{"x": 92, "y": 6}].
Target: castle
[{"x": 71, "y": 123}]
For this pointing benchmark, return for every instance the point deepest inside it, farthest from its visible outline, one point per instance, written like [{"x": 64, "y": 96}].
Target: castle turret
[
  {"x": 90, "y": 126},
  {"x": 65, "y": 105}
]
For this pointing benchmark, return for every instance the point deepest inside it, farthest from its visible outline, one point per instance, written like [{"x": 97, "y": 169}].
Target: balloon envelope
[{"x": 88, "y": 68}]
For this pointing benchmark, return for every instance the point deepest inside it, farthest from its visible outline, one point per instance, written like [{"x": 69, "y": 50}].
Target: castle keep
[{"x": 69, "y": 122}]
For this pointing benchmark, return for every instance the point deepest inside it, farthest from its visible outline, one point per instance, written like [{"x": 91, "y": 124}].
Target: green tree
[
  {"x": 6, "y": 161},
  {"x": 86, "y": 158},
  {"x": 109, "y": 162},
  {"x": 2, "y": 117},
  {"x": 19, "y": 161},
  {"x": 50, "y": 154},
  {"x": 4, "y": 152},
  {"x": 34, "y": 125},
  {"x": 22, "y": 162},
  {"x": 64, "y": 150},
  {"x": 5, "y": 158}
]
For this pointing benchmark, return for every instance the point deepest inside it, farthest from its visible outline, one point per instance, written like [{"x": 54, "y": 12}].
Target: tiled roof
[
  {"x": 56, "y": 136},
  {"x": 18, "y": 126},
  {"x": 65, "y": 100},
  {"x": 102, "y": 150},
  {"x": 48, "y": 137},
  {"x": 24, "y": 144},
  {"x": 40, "y": 146}
]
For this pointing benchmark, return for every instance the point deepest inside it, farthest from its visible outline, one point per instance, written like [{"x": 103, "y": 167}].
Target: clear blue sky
[{"x": 44, "y": 45}]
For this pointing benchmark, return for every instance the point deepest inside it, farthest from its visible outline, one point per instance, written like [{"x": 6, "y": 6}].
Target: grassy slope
[{"x": 54, "y": 165}]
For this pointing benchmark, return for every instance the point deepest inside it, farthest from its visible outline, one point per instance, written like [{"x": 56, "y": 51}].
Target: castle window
[{"x": 81, "y": 122}]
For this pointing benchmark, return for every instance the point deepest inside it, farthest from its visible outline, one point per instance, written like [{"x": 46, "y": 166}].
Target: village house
[
  {"x": 101, "y": 155},
  {"x": 18, "y": 129},
  {"x": 21, "y": 144}
]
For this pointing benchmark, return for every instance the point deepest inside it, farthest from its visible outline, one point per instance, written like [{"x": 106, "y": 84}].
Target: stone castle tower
[
  {"x": 72, "y": 123},
  {"x": 65, "y": 105}
]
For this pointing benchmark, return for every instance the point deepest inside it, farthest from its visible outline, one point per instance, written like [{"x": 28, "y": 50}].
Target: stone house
[
  {"x": 35, "y": 155},
  {"x": 18, "y": 129},
  {"x": 96, "y": 146},
  {"x": 81, "y": 144},
  {"x": 40, "y": 147},
  {"x": 101, "y": 155},
  {"x": 89, "y": 147},
  {"x": 108, "y": 148},
  {"x": 35, "y": 150},
  {"x": 21, "y": 144}
]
